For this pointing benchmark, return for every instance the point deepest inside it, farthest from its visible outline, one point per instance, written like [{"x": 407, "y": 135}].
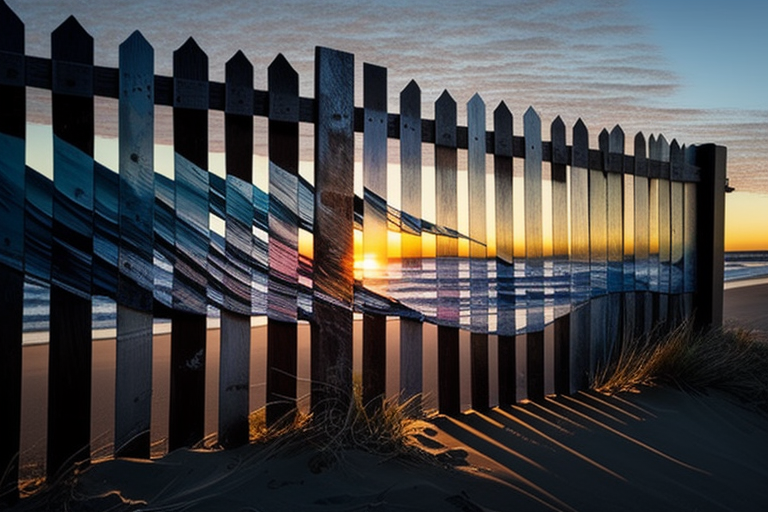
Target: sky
[{"x": 692, "y": 70}]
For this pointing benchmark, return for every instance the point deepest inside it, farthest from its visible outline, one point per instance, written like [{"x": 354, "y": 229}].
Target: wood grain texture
[
  {"x": 133, "y": 380},
  {"x": 333, "y": 232}
]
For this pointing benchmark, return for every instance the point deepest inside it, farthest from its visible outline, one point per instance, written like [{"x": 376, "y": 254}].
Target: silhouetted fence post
[
  {"x": 710, "y": 235},
  {"x": 188, "y": 316},
  {"x": 12, "y": 190},
  {"x": 69, "y": 373}
]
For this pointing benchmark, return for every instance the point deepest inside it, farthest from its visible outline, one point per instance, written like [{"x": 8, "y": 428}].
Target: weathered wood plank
[
  {"x": 598, "y": 258},
  {"x": 615, "y": 246},
  {"x": 534, "y": 254},
  {"x": 580, "y": 280},
  {"x": 282, "y": 299},
  {"x": 690, "y": 243},
  {"x": 665, "y": 232},
  {"x": 643, "y": 301},
  {"x": 235, "y": 338},
  {"x": 560, "y": 256},
  {"x": 375, "y": 235},
  {"x": 133, "y": 379},
  {"x": 411, "y": 331},
  {"x": 449, "y": 398},
  {"x": 676, "y": 204},
  {"x": 69, "y": 375},
  {"x": 188, "y": 335},
  {"x": 505, "y": 248},
  {"x": 333, "y": 232},
  {"x": 478, "y": 252},
  {"x": 12, "y": 191}
]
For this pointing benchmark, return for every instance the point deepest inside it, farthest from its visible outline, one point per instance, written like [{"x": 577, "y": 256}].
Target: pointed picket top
[
  {"x": 641, "y": 164},
  {"x": 410, "y": 103},
  {"x": 137, "y": 43},
  {"x": 653, "y": 148},
  {"x": 476, "y": 121},
  {"x": 11, "y": 30},
  {"x": 70, "y": 42},
  {"x": 192, "y": 60},
  {"x": 557, "y": 134},
  {"x": 603, "y": 141},
  {"x": 676, "y": 161},
  {"x": 531, "y": 126},
  {"x": 283, "y": 84},
  {"x": 580, "y": 150},
  {"x": 616, "y": 143},
  {"x": 445, "y": 120},
  {"x": 663, "y": 145},
  {"x": 502, "y": 127},
  {"x": 239, "y": 85}
]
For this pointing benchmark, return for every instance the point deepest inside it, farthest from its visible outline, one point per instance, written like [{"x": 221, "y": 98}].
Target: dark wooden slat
[
  {"x": 12, "y": 190},
  {"x": 615, "y": 234},
  {"x": 560, "y": 254},
  {"x": 284, "y": 168},
  {"x": 598, "y": 259},
  {"x": 235, "y": 351},
  {"x": 333, "y": 233},
  {"x": 710, "y": 229},
  {"x": 534, "y": 354},
  {"x": 676, "y": 215},
  {"x": 133, "y": 379},
  {"x": 69, "y": 377},
  {"x": 643, "y": 301},
  {"x": 188, "y": 335},
  {"x": 411, "y": 332},
  {"x": 449, "y": 399},
  {"x": 665, "y": 232},
  {"x": 375, "y": 234},
  {"x": 507, "y": 366}
]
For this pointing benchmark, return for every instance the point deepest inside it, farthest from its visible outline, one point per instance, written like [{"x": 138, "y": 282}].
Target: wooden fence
[{"x": 637, "y": 241}]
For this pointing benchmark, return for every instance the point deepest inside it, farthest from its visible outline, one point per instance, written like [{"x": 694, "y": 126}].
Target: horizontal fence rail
[{"x": 635, "y": 243}]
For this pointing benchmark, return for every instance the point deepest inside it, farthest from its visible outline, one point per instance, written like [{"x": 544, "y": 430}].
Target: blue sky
[{"x": 718, "y": 49}]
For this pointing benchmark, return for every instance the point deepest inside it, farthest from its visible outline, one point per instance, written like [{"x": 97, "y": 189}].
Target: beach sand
[{"x": 659, "y": 449}]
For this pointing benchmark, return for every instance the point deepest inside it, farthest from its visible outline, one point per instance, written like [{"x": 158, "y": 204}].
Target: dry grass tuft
[
  {"x": 734, "y": 361},
  {"x": 387, "y": 431}
]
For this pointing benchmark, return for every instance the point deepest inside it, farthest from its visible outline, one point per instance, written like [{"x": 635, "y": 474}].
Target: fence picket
[
  {"x": 449, "y": 387},
  {"x": 133, "y": 379},
  {"x": 12, "y": 262},
  {"x": 665, "y": 231},
  {"x": 690, "y": 227},
  {"x": 580, "y": 325},
  {"x": 676, "y": 164},
  {"x": 478, "y": 253},
  {"x": 282, "y": 329},
  {"x": 69, "y": 374},
  {"x": 411, "y": 331},
  {"x": 375, "y": 236},
  {"x": 235, "y": 335},
  {"x": 560, "y": 257},
  {"x": 333, "y": 232},
  {"x": 505, "y": 248},
  {"x": 643, "y": 230},
  {"x": 534, "y": 255},
  {"x": 188, "y": 335},
  {"x": 615, "y": 240}
]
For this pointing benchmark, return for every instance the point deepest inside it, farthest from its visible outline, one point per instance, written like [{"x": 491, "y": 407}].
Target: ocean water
[{"x": 413, "y": 293}]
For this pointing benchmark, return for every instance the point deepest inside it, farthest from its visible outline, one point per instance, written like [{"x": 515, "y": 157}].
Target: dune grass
[
  {"x": 387, "y": 430},
  {"x": 730, "y": 360}
]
